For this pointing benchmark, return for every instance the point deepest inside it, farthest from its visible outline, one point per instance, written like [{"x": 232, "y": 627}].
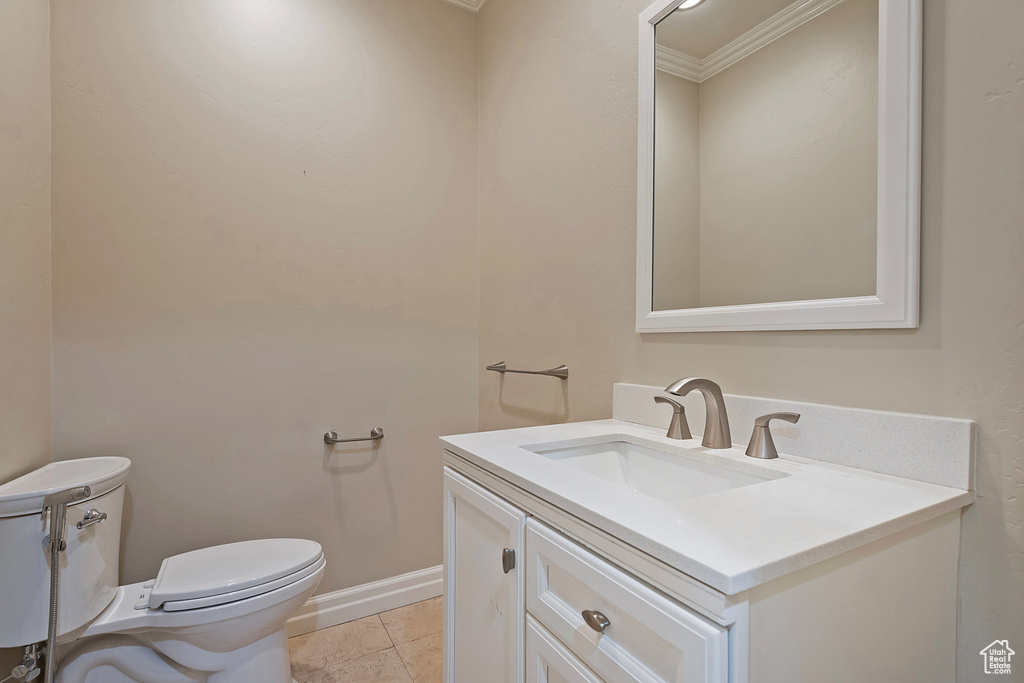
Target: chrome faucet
[{"x": 716, "y": 422}]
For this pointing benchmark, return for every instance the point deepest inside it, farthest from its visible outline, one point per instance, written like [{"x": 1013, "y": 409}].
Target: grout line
[
  {"x": 416, "y": 640},
  {"x": 341, "y": 665},
  {"x": 390, "y": 637},
  {"x": 386, "y": 632},
  {"x": 394, "y": 646},
  {"x": 404, "y": 665}
]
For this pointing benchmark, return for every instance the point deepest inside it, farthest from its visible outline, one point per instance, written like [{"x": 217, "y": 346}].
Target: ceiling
[{"x": 702, "y": 30}]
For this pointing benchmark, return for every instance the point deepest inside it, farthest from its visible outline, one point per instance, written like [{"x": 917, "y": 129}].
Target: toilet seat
[
  {"x": 227, "y": 573},
  {"x": 224, "y": 598}
]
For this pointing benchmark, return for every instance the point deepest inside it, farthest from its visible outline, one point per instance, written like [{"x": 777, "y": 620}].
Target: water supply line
[{"x": 57, "y": 505}]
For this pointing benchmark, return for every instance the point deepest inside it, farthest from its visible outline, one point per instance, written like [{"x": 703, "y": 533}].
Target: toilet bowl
[{"x": 216, "y": 614}]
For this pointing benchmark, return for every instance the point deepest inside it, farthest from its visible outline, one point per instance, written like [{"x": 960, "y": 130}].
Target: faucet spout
[{"x": 716, "y": 422}]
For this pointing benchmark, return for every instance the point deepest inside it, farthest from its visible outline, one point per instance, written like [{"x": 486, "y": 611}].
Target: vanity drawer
[
  {"x": 547, "y": 660},
  {"x": 649, "y": 639}
]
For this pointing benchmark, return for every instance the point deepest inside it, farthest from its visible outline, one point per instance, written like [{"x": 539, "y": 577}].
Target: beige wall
[
  {"x": 557, "y": 211},
  {"x": 24, "y": 243},
  {"x": 788, "y": 165},
  {"x": 24, "y": 236},
  {"x": 677, "y": 251},
  {"x": 264, "y": 228}
]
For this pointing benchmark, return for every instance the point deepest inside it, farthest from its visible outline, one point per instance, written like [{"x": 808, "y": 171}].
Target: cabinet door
[
  {"x": 547, "y": 660},
  {"x": 484, "y": 605}
]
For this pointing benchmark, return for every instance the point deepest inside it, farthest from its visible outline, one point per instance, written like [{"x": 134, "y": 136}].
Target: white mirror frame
[{"x": 896, "y": 301}]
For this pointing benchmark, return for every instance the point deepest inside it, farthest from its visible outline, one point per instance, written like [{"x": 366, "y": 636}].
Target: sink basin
[{"x": 663, "y": 476}]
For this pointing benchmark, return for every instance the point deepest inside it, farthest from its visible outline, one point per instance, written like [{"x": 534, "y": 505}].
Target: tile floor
[{"x": 400, "y": 646}]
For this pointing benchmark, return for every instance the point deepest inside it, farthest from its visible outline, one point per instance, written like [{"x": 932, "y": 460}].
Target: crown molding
[
  {"x": 789, "y": 19},
  {"x": 678, "y": 64},
  {"x": 471, "y": 5},
  {"x": 768, "y": 31}
]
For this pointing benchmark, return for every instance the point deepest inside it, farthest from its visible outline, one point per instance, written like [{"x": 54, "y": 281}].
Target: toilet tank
[{"x": 88, "y": 567}]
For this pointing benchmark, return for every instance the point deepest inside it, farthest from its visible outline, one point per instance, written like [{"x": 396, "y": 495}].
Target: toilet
[{"x": 216, "y": 614}]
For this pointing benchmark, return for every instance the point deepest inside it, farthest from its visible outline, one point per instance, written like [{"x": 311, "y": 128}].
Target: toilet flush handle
[{"x": 93, "y": 516}]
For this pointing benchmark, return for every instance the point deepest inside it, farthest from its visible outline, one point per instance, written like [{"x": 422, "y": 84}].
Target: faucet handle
[
  {"x": 678, "y": 429},
  {"x": 765, "y": 419},
  {"x": 679, "y": 408},
  {"x": 761, "y": 444}
]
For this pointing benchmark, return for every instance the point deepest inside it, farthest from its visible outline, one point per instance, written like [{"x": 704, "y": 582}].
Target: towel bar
[
  {"x": 561, "y": 372},
  {"x": 331, "y": 437}
]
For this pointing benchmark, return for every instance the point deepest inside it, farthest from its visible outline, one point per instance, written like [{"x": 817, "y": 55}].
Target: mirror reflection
[{"x": 766, "y": 136}]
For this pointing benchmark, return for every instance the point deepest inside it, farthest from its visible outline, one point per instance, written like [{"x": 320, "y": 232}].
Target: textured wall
[
  {"x": 265, "y": 227},
  {"x": 558, "y": 192},
  {"x": 24, "y": 243}
]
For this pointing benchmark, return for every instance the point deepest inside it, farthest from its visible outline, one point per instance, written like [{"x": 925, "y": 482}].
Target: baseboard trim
[{"x": 338, "y": 607}]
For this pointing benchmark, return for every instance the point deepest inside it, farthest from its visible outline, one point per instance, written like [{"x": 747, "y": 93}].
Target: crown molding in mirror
[
  {"x": 896, "y": 300},
  {"x": 773, "y": 28},
  {"x": 678, "y": 64},
  {"x": 471, "y": 5}
]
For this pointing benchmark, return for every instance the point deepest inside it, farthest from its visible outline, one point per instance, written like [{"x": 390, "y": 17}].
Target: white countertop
[{"x": 733, "y": 540}]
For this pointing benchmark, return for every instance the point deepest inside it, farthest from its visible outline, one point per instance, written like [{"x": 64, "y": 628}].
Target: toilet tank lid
[
  {"x": 231, "y": 567},
  {"x": 24, "y": 495}
]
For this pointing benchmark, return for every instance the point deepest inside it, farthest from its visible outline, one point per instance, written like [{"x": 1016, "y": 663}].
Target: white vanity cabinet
[
  {"x": 649, "y": 638},
  {"x": 885, "y": 611},
  {"x": 641, "y": 558}
]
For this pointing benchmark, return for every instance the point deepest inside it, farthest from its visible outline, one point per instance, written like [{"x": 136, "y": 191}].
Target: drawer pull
[
  {"x": 93, "y": 516},
  {"x": 508, "y": 560},
  {"x": 596, "y": 620}
]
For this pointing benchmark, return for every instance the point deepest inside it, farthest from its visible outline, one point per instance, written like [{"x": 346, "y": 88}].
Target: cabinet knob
[
  {"x": 508, "y": 560},
  {"x": 596, "y": 620}
]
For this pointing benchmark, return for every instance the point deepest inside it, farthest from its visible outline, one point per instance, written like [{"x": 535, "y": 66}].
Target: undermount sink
[{"x": 663, "y": 476}]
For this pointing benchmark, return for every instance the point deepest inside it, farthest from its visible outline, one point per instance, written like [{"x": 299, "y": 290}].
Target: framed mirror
[{"x": 779, "y": 165}]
